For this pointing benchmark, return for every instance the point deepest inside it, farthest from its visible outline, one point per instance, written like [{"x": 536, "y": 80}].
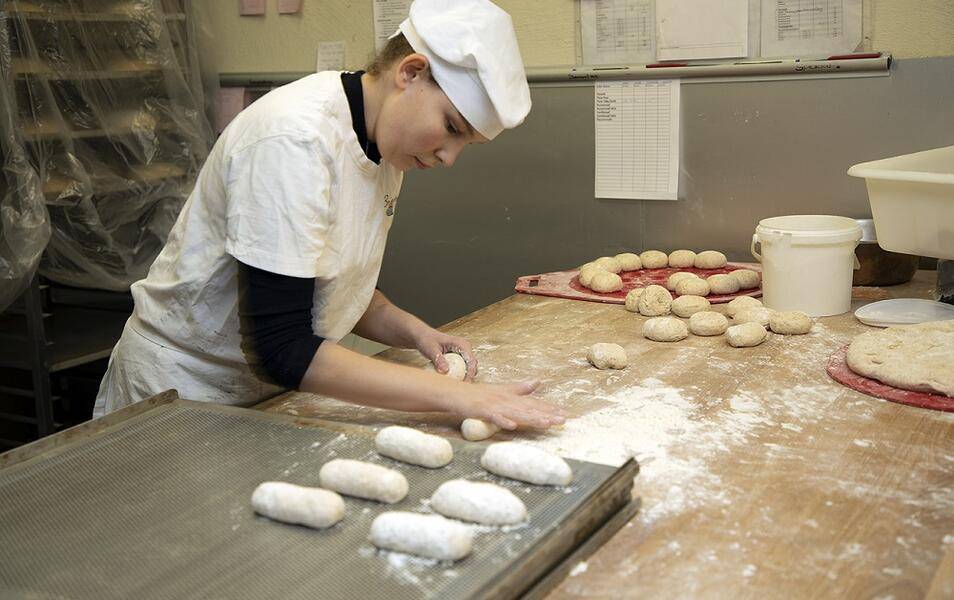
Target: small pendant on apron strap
[{"x": 389, "y": 205}]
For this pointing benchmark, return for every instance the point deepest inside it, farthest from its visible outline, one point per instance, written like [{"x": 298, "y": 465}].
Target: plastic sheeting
[{"x": 103, "y": 133}]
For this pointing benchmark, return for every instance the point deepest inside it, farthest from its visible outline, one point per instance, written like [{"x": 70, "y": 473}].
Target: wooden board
[{"x": 761, "y": 477}]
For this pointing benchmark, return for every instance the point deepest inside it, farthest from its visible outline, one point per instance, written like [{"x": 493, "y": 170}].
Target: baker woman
[{"x": 276, "y": 253}]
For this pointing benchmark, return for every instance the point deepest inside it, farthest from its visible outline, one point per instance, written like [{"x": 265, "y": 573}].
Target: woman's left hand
[{"x": 433, "y": 344}]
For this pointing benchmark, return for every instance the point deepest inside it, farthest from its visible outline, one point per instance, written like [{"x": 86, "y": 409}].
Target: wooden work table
[{"x": 761, "y": 477}]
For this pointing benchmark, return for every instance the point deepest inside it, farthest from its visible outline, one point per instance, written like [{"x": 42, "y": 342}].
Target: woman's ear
[{"x": 411, "y": 67}]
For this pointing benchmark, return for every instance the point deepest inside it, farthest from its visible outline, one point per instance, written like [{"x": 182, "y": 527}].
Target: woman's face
[{"x": 418, "y": 126}]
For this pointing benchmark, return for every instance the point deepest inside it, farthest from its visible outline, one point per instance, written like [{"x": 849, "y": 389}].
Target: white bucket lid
[
  {"x": 903, "y": 311},
  {"x": 810, "y": 229}
]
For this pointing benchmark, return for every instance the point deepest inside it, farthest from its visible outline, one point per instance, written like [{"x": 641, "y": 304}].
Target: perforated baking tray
[{"x": 153, "y": 502}]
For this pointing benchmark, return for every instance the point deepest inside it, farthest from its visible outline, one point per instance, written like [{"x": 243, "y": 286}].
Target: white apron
[{"x": 288, "y": 189}]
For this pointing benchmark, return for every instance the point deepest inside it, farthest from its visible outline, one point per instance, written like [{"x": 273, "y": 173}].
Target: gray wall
[{"x": 524, "y": 203}]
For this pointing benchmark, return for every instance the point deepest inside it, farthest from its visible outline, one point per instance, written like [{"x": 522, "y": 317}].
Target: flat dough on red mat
[{"x": 839, "y": 371}]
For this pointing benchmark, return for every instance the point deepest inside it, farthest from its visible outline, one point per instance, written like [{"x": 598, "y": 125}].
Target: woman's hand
[
  {"x": 433, "y": 344},
  {"x": 508, "y": 406}
]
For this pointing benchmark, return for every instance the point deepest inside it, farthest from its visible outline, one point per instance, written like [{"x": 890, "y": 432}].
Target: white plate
[{"x": 903, "y": 311}]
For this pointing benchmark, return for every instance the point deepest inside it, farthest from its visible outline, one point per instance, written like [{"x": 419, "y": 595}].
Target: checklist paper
[
  {"x": 819, "y": 27},
  {"x": 617, "y": 31},
  {"x": 700, "y": 29},
  {"x": 637, "y": 139}
]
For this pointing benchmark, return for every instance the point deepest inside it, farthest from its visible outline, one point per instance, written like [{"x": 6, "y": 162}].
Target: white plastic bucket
[{"x": 807, "y": 262}]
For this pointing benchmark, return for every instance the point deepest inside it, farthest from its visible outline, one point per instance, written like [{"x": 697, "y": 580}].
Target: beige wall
[{"x": 545, "y": 29}]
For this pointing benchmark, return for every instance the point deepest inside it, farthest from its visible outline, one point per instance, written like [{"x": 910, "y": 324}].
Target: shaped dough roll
[
  {"x": 363, "y": 480},
  {"x": 526, "y": 463},
  {"x": 431, "y": 536},
  {"x": 298, "y": 505},
  {"x": 413, "y": 446},
  {"x": 478, "y": 502},
  {"x": 475, "y": 430}
]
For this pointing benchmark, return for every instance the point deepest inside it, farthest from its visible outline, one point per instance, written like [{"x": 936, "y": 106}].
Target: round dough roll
[
  {"x": 655, "y": 301},
  {"x": 606, "y": 282},
  {"x": 756, "y": 314},
  {"x": 654, "y": 259},
  {"x": 478, "y": 502},
  {"x": 676, "y": 277},
  {"x": 632, "y": 299},
  {"x": 692, "y": 286},
  {"x": 526, "y": 463},
  {"x": 587, "y": 272},
  {"x": 608, "y": 263},
  {"x": 740, "y": 303},
  {"x": 474, "y": 430},
  {"x": 665, "y": 329},
  {"x": 430, "y": 536},
  {"x": 413, "y": 446},
  {"x": 686, "y": 306},
  {"x": 708, "y": 323},
  {"x": 747, "y": 278},
  {"x": 363, "y": 480},
  {"x": 681, "y": 259},
  {"x": 790, "y": 322},
  {"x": 290, "y": 503},
  {"x": 722, "y": 283},
  {"x": 629, "y": 261},
  {"x": 607, "y": 356},
  {"x": 710, "y": 259},
  {"x": 456, "y": 366},
  {"x": 745, "y": 335}
]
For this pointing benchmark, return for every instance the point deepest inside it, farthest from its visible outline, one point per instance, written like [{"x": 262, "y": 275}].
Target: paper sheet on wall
[
  {"x": 617, "y": 31},
  {"x": 699, "y": 29},
  {"x": 637, "y": 139},
  {"x": 388, "y": 14},
  {"x": 249, "y": 8},
  {"x": 817, "y": 28},
  {"x": 289, "y": 7},
  {"x": 331, "y": 56}
]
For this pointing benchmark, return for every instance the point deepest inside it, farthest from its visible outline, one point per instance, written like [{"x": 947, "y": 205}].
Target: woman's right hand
[{"x": 508, "y": 405}]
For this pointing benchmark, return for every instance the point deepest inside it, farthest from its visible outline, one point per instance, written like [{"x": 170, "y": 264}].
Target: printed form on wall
[
  {"x": 388, "y": 14},
  {"x": 811, "y": 27},
  {"x": 331, "y": 56},
  {"x": 699, "y": 29},
  {"x": 617, "y": 31},
  {"x": 637, "y": 139}
]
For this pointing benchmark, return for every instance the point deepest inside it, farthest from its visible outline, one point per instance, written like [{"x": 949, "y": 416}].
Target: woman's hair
[{"x": 396, "y": 49}]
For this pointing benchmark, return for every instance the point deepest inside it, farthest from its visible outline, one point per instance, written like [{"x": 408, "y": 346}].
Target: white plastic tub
[
  {"x": 912, "y": 201},
  {"x": 807, "y": 262}
]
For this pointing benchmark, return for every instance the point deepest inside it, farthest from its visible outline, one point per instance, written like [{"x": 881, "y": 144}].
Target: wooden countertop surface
[{"x": 761, "y": 477}]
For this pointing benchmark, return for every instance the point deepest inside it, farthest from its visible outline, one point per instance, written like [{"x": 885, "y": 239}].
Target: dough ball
[
  {"x": 754, "y": 314},
  {"x": 474, "y": 430},
  {"x": 790, "y": 322},
  {"x": 606, "y": 282},
  {"x": 608, "y": 263},
  {"x": 290, "y": 503},
  {"x": 745, "y": 335},
  {"x": 526, "y": 463},
  {"x": 588, "y": 271},
  {"x": 740, "y": 303},
  {"x": 478, "y": 502},
  {"x": 710, "y": 259},
  {"x": 681, "y": 259},
  {"x": 413, "y": 446},
  {"x": 456, "y": 366},
  {"x": 686, "y": 306},
  {"x": 607, "y": 356},
  {"x": 675, "y": 278},
  {"x": 692, "y": 286},
  {"x": 363, "y": 480},
  {"x": 722, "y": 284},
  {"x": 665, "y": 329},
  {"x": 747, "y": 278},
  {"x": 707, "y": 323},
  {"x": 629, "y": 261},
  {"x": 654, "y": 259},
  {"x": 632, "y": 299},
  {"x": 655, "y": 301},
  {"x": 430, "y": 536}
]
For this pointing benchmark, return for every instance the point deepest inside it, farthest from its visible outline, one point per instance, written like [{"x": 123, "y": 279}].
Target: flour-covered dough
[
  {"x": 430, "y": 536},
  {"x": 722, "y": 283},
  {"x": 606, "y": 282},
  {"x": 710, "y": 259},
  {"x": 587, "y": 272},
  {"x": 363, "y": 480},
  {"x": 608, "y": 263},
  {"x": 676, "y": 277},
  {"x": 654, "y": 259},
  {"x": 632, "y": 299},
  {"x": 478, "y": 502},
  {"x": 910, "y": 357},
  {"x": 654, "y": 301},
  {"x": 692, "y": 286},
  {"x": 298, "y": 505},
  {"x": 629, "y": 261},
  {"x": 708, "y": 323},
  {"x": 747, "y": 278},
  {"x": 790, "y": 322},
  {"x": 665, "y": 329},
  {"x": 413, "y": 446},
  {"x": 755, "y": 314},
  {"x": 607, "y": 356},
  {"x": 745, "y": 335},
  {"x": 680, "y": 259},
  {"x": 686, "y": 306},
  {"x": 740, "y": 303},
  {"x": 526, "y": 463},
  {"x": 474, "y": 430},
  {"x": 456, "y": 366}
]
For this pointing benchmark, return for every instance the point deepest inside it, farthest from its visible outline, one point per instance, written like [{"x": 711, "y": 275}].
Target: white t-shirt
[{"x": 287, "y": 188}]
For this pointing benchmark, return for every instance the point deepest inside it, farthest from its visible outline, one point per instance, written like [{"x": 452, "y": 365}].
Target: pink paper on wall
[
  {"x": 251, "y": 7},
  {"x": 289, "y": 7},
  {"x": 228, "y": 103}
]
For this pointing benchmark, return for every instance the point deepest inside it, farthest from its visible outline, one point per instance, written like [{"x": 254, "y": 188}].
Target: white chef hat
[{"x": 474, "y": 57}]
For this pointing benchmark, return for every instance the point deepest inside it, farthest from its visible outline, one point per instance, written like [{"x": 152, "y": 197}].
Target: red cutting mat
[
  {"x": 566, "y": 284},
  {"x": 839, "y": 370}
]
